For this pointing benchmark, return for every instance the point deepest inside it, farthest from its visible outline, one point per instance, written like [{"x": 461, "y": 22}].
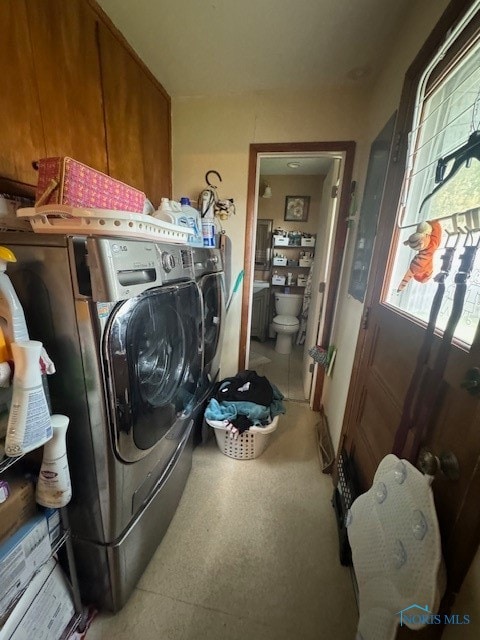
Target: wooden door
[
  {"x": 137, "y": 119},
  {"x": 22, "y": 133},
  {"x": 65, "y": 53},
  {"x": 321, "y": 284},
  {"x": 386, "y": 355}
]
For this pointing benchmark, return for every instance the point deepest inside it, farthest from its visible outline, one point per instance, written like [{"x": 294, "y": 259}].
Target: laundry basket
[{"x": 245, "y": 446}]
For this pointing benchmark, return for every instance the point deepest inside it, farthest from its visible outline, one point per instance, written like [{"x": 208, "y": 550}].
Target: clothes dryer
[
  {"x": 209, "y": 273},
  {"x": 122, "y": 320}
]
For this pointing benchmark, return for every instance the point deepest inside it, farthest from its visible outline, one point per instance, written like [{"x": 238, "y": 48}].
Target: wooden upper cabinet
[
  {"x": 22, "y": 135},
  {"x": 65, "y": 54},
  {"x": 137, "y": 120},
  {"x": 156, "y": 142},
  {"x": 121, "y": 82}
]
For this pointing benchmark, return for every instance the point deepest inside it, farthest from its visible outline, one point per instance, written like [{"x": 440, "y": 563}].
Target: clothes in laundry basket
[{"x": 244, "y": 400}]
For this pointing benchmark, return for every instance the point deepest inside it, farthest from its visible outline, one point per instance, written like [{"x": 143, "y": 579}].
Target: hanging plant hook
[{"x": 208, "y": 181}]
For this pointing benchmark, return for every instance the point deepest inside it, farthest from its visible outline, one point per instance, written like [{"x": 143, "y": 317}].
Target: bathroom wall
[
  {"x": 274, "y": 208},
  {"x": 283, "y": 186}
]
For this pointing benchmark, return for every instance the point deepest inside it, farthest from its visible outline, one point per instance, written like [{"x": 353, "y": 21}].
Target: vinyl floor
[{"x": 252, "y": 552}]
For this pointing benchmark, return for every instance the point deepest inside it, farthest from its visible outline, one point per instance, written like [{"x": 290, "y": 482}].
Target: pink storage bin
[{"x": 67, "y": 181}]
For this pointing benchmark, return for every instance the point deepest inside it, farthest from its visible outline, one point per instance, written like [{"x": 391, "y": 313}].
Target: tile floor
[
  {"x": 250, "y": 553},
  {"x": 285, "y": 371}
]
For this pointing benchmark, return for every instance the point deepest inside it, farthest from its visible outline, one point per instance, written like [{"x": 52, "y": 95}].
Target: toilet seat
[{"x": 286, "y": 321}]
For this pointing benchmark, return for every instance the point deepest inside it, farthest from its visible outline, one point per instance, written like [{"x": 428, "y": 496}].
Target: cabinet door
[
  {"x": 137, "y": 118},
  {"x": 22, "y": 134},
  {"x": 156, "y": 145},
  {"x": 68, "y": 75},
  {"x": 255, "y": 324}
]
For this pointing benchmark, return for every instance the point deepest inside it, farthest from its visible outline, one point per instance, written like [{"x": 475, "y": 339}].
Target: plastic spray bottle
[
  {"x": 164, "y": 211},
  {"x": 15, "y": 327},
  {"x": 208, "y": 218},
  {"x": 29, "y": 424},
  {"x": 54, "y": 488}
]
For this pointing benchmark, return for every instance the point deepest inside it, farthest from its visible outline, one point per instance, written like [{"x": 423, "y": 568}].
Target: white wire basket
[
  {"x": 66, "y": 220},
  {"x": 244, "y": 446}
]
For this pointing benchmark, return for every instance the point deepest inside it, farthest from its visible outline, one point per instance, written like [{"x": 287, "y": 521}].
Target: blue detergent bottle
[{"x": 195, "y": 239}]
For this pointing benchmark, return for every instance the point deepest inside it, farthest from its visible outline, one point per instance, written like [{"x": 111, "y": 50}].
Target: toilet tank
[{"x": 288, "y": 304}]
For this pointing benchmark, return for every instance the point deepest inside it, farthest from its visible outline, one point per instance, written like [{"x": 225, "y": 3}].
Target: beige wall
[
  {"x": 214, "y": 132},
  {"x": 282, "y": 186}
]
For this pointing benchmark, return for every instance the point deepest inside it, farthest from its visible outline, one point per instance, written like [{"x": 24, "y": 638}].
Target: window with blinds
[{"x": 448, "y": 112}]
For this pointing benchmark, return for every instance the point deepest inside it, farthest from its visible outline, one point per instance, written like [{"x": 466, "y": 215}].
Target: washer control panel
[{"x": 121, "y": 269}]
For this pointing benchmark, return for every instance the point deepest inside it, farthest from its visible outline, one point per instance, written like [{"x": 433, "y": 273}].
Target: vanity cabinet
[{"x": 260, "y": 307}]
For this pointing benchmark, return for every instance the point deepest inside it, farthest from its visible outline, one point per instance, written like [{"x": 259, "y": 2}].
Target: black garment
[
  {"x": 259, "y": 389},
  {"x": 242, "y": 423}
]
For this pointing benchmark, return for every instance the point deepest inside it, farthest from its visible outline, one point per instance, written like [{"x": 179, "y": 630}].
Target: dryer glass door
[
  {"x": 154, "y": 357},
  {"x": 214, "y": 317}
]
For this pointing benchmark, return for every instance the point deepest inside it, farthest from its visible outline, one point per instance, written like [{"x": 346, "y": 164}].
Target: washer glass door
[
  {"x": 154, "y": 360},
  {"x": 213, "y": 317}
]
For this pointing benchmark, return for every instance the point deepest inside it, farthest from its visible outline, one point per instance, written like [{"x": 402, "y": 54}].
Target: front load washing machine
[{"x": 122, "y": 320}]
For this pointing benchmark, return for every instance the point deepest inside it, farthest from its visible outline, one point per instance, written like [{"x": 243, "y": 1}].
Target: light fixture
[
  {"x": 267, "y": 193},
  {"x": 293, "y": 165}
]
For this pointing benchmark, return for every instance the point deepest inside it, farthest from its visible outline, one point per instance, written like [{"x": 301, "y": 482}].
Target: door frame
[{"x": 348, "y": 149}]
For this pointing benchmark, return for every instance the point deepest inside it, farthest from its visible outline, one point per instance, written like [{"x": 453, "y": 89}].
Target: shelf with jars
[{"x": 292, "y": 256}]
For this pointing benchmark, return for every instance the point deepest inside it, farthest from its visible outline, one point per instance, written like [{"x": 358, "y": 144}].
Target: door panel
[{"x": 322, "y": 269}]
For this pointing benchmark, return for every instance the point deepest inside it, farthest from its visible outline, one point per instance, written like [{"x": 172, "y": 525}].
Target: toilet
[{"x": 286, "y": 323}]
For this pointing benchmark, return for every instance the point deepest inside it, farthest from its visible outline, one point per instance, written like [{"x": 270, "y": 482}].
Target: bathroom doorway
[{"x": 319, "y": 176}]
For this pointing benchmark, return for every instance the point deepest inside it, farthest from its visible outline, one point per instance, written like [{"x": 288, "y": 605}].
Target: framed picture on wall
[{"x": 296, "y": 208}]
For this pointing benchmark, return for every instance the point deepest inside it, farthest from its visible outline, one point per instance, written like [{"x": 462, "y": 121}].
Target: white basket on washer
[
  {"x": 244, "y": 446},
  {"x": 63, "y": 219}
]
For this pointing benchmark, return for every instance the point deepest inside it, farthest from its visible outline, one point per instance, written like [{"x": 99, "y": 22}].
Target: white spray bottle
[
  {"x": 10, "y": 308},
  {"x": 54, "y": 488},
  {"x": 13, "y": 325},
  {"x": 29, "y": 424},
  {"x": 207, "y": 199}
]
